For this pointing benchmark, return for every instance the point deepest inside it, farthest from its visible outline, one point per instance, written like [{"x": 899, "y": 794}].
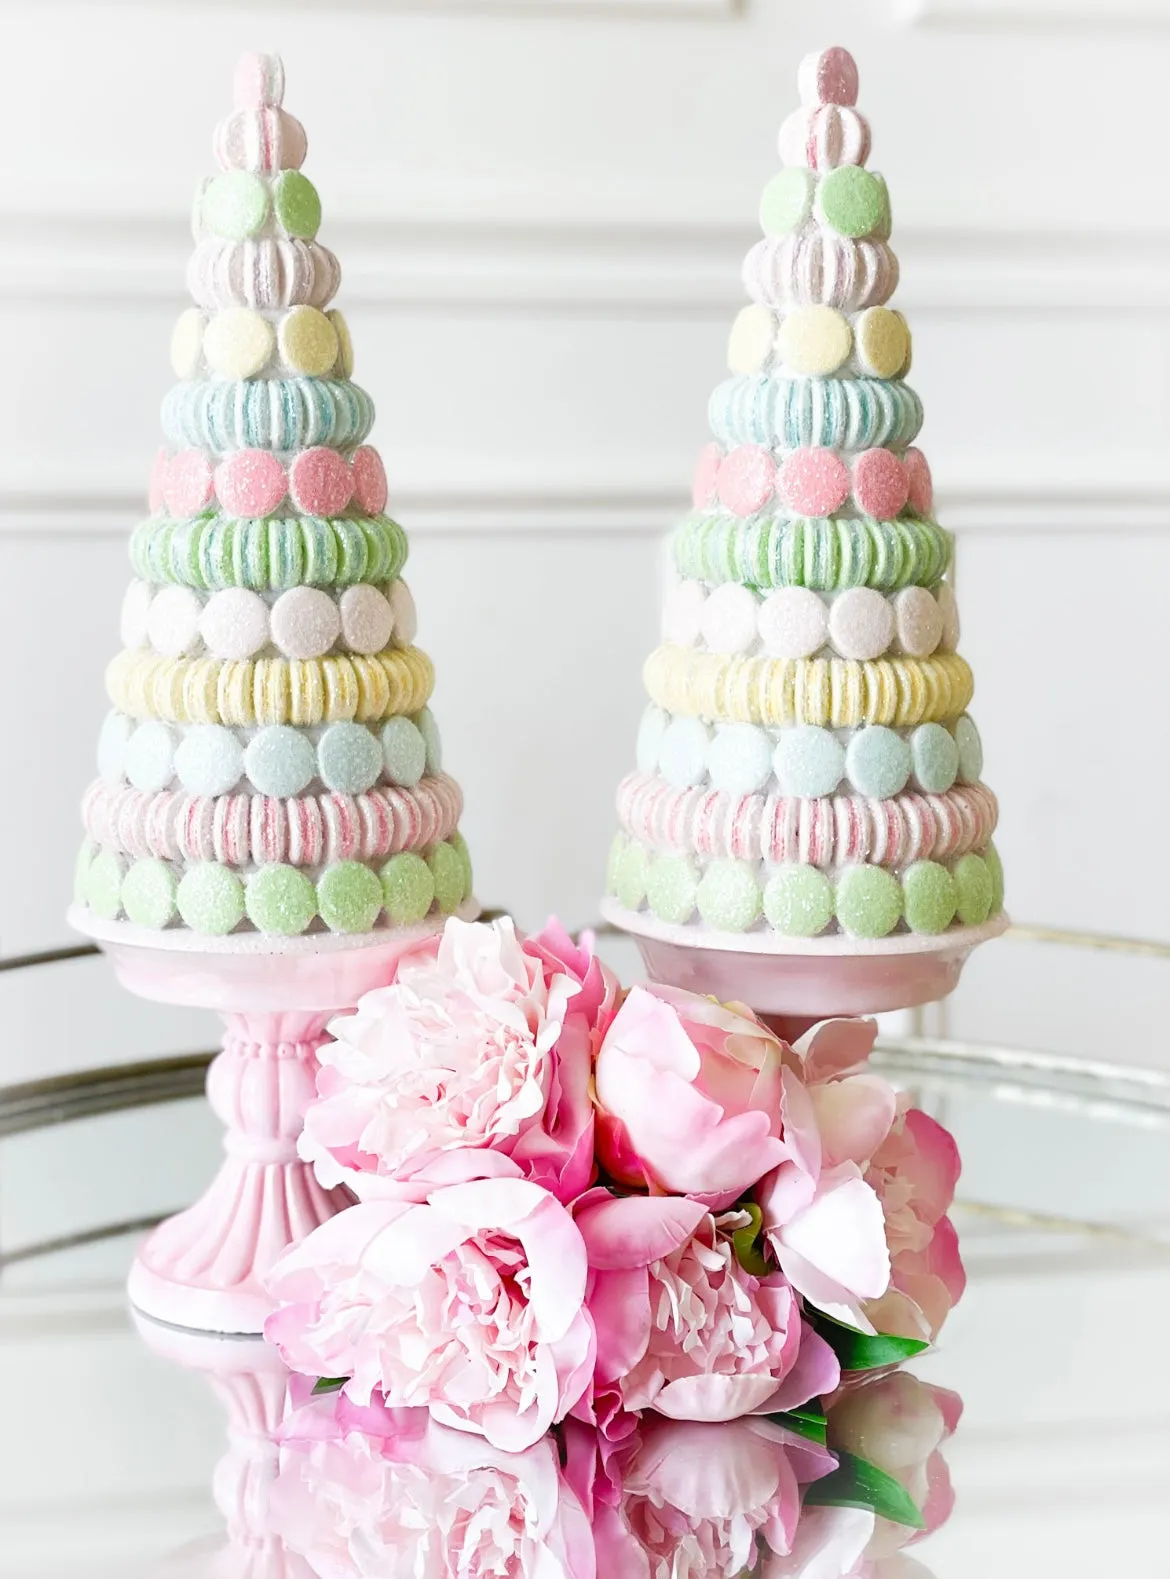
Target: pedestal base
[
  {"x": 804, "y": 977},
  {"x": 206, "y": 1268}
]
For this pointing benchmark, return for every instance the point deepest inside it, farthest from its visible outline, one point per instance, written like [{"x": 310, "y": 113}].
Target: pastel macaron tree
[
  {"x": 271, "y": 824},
  {"x": 807, "y": 828}
]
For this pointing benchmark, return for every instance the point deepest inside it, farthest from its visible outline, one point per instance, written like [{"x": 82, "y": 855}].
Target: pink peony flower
[
  {"x": 682, "y": 1328},
  {"x": 404, "y": 1497},
  {"x": 689, "y": 1096},
  {"x": 469, "y": 1304},
  {"x": 483, "y": 1041}
]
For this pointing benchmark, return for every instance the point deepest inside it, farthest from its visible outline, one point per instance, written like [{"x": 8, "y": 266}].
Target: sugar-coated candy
[
  {"x": 861, "y": 623},
  {"x": 401, "y": 601},
  {"x": 210, "y": 899},
  {"x": 682, "y": 613},
  {"x": 459, "y": 844},
  {"x": 650, "y": 732},
  {"x": 250, "y": 483},
  {"x": 808, "y": 761},
  {"x": 172, "y": 621},
  {"x": 828, "y": 76},
  {"x": 682, "y": 754},
  {"x": 369, "y": 479},
  {"x": 753, "y": 337},
  {"x": 851, "y": 201},
  {"x": 975, "y": 889},
  {"x": 234, "y": 623},
  {"x": 728, "y": 896},
  {"x": 189, "y": 484},
  {"x": 787, "y": 201},
  {"x": 949, "y": 609},
  {"x": 209, "y": 760},
  {"x": 447, "y": 871},
  {"x": 408, "y": 888},
  {"x": 798, "y": 901},
  {"x": 150, "y": 756},
  {"x": 878, "y": 761},
  {"x": 187, "y": 342},
  {"x": 404, "y": 752},
  {"x": 919, "y": 621},
  {"x": 936, "y": 758},
  {"x": 883, "y": 342},
  {"x": 112, "y": 742},
  {"x": 320, "y": 482},
  {"x": 262, "y": 138},
  {"x": 880, "y": 484},
  {"x": 793, "y": 623},
  {"x": 267, "y": 272},
  {"x": 815, "y": 341},
  {"x": 298, "y": 208},
  {"x": 632, "y": 876},
  {"x": 868, "y": 901},
  {"x": 367, "y": 619},
  {"x": 706, "y": 475},
  {"x": 280, "y": 761},
  {"x": 930, "y": 897},
  {"x": 81, "y": 869},
  {"x": 349, "y": 758},
  {"x": 238, "y": 343},
  {"x": 307, "y": 341},
  {"x": 277, "y": 413},
  {"x": 344, "y": 367},
  {"x": 747, "y": 479},
  {"x": 135, "y": 609},
  {"x": 305, "y": 622},
  {"x": 728, "y": 619},
  {"x": 148, "y": 894},
  {"x": 671, "y": 889},
  {"x": 424, "y": 722},
  {"x": 836, "y": 413},
  {"x": 280, "y": 900},
  {"x": 970, "y": 748},
  {"x": 234, "y": 205},
  {"x": 820, "y": 269},
  {"x": 103, "y": 884},
  {"x": 921, "y": 484},
  {"x": 739, "y": 758},
  {"x": 258, "y": 81},
  {"x": 995, "y": 868},
  {"x": 814, "y": 482},
  {"x": 613, "y": 862},
  {"x": 349, "y": 897},
  {"x": 824, "y": 136}
]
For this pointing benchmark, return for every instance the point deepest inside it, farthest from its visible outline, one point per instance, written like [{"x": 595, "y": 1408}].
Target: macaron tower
[
  {"x": 271, "y": 826},
  {"x": 808, "y": 784},
  {"x": 270, "y": 764}
]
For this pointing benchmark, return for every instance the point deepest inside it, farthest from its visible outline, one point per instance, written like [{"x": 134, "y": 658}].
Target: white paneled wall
[{"x": 540, "y": 209}]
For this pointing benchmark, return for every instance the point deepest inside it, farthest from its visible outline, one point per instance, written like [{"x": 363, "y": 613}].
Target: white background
[{"x": 541, "y": 209}]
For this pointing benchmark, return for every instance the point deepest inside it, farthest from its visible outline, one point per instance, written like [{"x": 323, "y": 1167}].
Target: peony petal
[
  {"x": 633, "y": 1230},
  {"x": 716, "y": 1397},
  {"x": 620, "y": 1308},
  {"x": 646, "y": 1031},
  {"x": 853, "y": 1116},
  {"x": 842, "y": 1234},
  {"x": 815, "y": 1374},
  {"x": 835, "y": 1047}
]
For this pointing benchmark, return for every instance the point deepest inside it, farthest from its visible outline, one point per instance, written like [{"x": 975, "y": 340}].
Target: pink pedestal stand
[
  {"x": 804, "y": 979},
  {"x": 205, "y": 1268},
  {"x": 250, "y": 1381}
]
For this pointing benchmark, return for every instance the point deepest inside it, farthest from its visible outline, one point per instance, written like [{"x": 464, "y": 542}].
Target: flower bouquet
[{"x": 574, "y": 1204}]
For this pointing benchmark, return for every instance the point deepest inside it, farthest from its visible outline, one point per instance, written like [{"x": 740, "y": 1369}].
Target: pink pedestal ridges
[
  {"x": 205, "y": 1267},
  {"x": 806, "y": 828}
]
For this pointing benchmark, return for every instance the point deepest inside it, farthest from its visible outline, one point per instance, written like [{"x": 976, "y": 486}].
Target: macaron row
[
  {"x": 269, "y": 555},
  {"x": 802, "y": 901},
  {"x": 279, "y": 760},
  {"x": 827, "y": 831},
  {"x": 795, "y": 622},
  {"x": 240, "y": 342},
  {"x": 281, "y": 901},
  {"x": 847, "y": 200},
  {"x": 266, "y": 413},
  {"x": 813, "y": 482},
  {"x": 265, "y": 273},
  {"x": 809, "y": 761},
  {"x": 254, "y": 483},
  {"x": 816, "y": 268},
  {"x": 814, "y": 413},
  {"x": 818, "y": 342},
  {"x": 825, "y": 137},
  {"x": 304, "y": 622},
  {"x": 242, "y": 830},
  {"x": 240, "y": 203}
]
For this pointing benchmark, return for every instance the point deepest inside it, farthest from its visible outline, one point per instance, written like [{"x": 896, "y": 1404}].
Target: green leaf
[
  {"x": 856, "y": 1483},
  {"x": 804, "y": 1422},
  {"x": 748, "y": 1243},
  {"x": 863, "y": 1351},
  {"x": 328, "y": 1384}
]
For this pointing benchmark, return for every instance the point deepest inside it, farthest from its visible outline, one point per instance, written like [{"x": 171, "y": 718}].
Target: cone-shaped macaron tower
[
  {"x": 270, "y": 764},
  {"x": 806, "y": 827},
  {"x": 271, "y": 825}
]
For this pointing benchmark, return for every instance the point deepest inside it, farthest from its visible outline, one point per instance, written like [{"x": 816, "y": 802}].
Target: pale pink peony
[
  {"x": 410, "y": 1497},
  {"x": 689, "y": 1096},
  {"x": 482, "y": 1042},
  {"x": 682, "y": 1327},
  {"x": 469, "y": 1304}
]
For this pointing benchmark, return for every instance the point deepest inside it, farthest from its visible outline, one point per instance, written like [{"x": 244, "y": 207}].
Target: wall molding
[
  {"x": 596, "y": 265},
  {"x": 1036, "y": 13}
]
